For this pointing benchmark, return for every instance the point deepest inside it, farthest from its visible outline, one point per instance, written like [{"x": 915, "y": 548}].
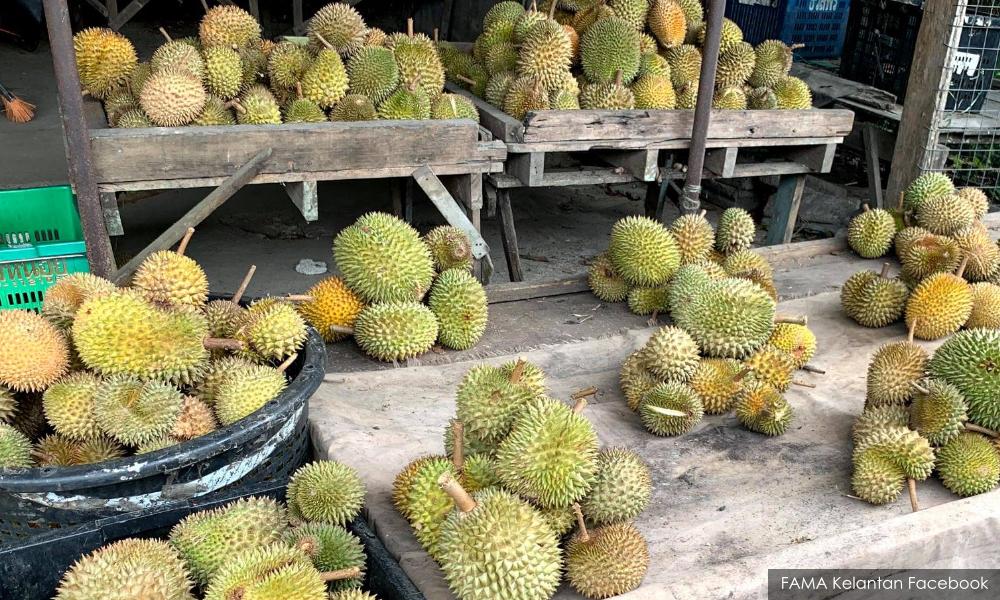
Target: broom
[{"x": 14, "y": 108}]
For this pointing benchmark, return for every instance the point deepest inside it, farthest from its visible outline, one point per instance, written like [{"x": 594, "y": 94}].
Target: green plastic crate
[{"x": 41, "y": 239}]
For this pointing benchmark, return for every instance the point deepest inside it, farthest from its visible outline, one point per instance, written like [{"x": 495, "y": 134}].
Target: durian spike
[
  {"x": 518, "y": 372},
  {"x": 341, "y": 574},
  {"x": 581, "y": 403},
  {"x": 666, "y": 412},
  {"x": 885, "y": 271},
  {"x": 462, "y": 499},
  {"x": 288, "y": 362},
  {"x": 322, "y": 39},
  {"x": 961, "y": 267},
  {"x": 182, "y": 247},
  {"x": 465, "y": 79},
  {"x": 580, "y": 521},
  {"x": 244, "y": 285},
  {"x": 299, "y": 298},
  {"x": 458, "y": 448},
  {"x": 911, "y": 489},
  {"x": 793, "y": 319},
  {"x": 166, "y": 35},
  {"x": 212, "y": 343},
  {"x": 813, "y": 369},
  {"x": 409, "y": 27},
  {"x": 804, "y": 384},
  {"x": 584, "y": 393},
  {"x": 913, "y": 327},
  {"x": 979, "y": 429},
  {"x": 342, "y": 329}
]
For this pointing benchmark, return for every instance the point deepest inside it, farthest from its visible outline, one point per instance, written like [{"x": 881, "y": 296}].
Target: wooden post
[
  {"x": 927, "y": 91},
  {"x": 785, "y": 209},
  {"x": 508, "y": 235},
  {"x": 870, "y": 134},
  {"x": 78, "y": 153}
]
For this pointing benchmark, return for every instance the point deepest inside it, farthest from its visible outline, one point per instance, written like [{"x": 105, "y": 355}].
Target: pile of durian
[
  {"x": 727, "y": 348},
  {"x": 520, "y": 472},
  {"x": 228, "y": 74},
  {"x": 930, "y": 413},
  {"x": 617, "y": 54},
  {"x": 251, "y": 548},
  {"x": 950, "y": 266},
  {"x": 388, "y": 271},
  {"x": 106, "y": 371}
]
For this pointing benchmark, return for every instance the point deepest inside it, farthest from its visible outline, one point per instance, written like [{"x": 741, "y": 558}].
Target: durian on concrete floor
[
  {"x": 277, "y": 571},
  {"x": 872, "y": 299},
  {"x": 332, "y": 304},
  {"x": 970, "y": 360},
  {"x": 643, "y": 251},
  {"x": 330, "y": 548},
  {"x": 939, "y": 305},
  {"x": 938, "y": 411},
  {"x": 622, "y": 489},
  {"x": 396, "y": 331},
  {"x": 605, "y": 561},
  {"x": 871, "y": 233},
  {"x": 459, "y": 302},
  {"x": 969, "y": 464},
  {"x": 728, "y": 318},
  {"x": 670, "y": 409}
]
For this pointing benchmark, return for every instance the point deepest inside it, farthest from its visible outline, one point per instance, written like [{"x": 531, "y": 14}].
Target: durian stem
[
  {"x": 465, "y": 79},
  {"x": 865, "y": 207},
  {"x": 978, "y": 429},
  {"x": 211, "y": 343},
  {"x": 812, "y": 369},
  {"x": 288, "y": 362},
  {"x": 322, "y": 39},
  {"x": 666, "y": 412},
  {"x": 204, "y": 4},
  {"x": 409, "y": 27},
  {"x": 580, "y": 521},
  {"x": 182, "y": 247},
  {"x": 885, "y": 270},
  {"x": 792, "y": 319},
  {"x": 534, "y": 6},
  {"x": 244, "y": 285},
  {"x": 703, "y": 213},
  {"x": 436, "y": 33},
  {"x": 462, "y": 499},
  {"x": 902, "y": 195},
  {"x": 166, "y": 35},
  {"x": 299, "y": 298},
  {"x": 618, "y": 77},
  {"x": 961, "y": 267},
  {"x": 911, "y": 488},
  {"x": 342, "y": 329},
  {"x": 341, "y": 574},
  {"x": 739, "y": 376},
  {"x": 797, "y": 46},
  {"x": 458, "y": 445},
  {"x": 581, "y": 403},
  {"x": 552, "y": 9},
  {"x": 803, "y": 384},
  {"x": 518, "y": 372},
  {"x": 920, "y": 388},
  {"x": 584, "y": 393},
  {"x": 239, "y": 107},
  {"x": 298, "y": 89},
  {"x": 913, "y": 328},
  {"x": 307, "y": 545}
]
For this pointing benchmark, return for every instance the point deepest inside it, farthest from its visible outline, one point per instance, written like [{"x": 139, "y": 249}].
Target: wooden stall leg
[
  {"x": 396, "y": 192},
  {"x": 490, "y": 194},
  {"x": 112, "y": 218},
  {"x": 127, "y": 13},
  {"x": 297, "y": 23},
  {"x": 508, "y": 235},
  {"x": 870, "y": 135},
  {"x": 785, "y": 210},
  {"x": 468, "y": 189},
  {"x": 305, "y": 197},
  {"x": 101, "y": 8},
  {"x": 408, "y": 193},
  {"x": 255, "y": 9}
]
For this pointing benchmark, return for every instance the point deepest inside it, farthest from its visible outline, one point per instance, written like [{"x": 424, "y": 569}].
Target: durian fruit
[
  {"x": 871, "y": 233},
  {"x": 419, "y": 63},
  {"x": 545, "y": 52},
  {"x": 687, "y": 96},
  {"x": 730, "y": 318},
  {"x": 215, "y": 112},
  {"x": 939, "y": 306},
  {"x": 693, "y": 11},
  {"x": 606, "y": 561},
  {"x": 69, "y": 406},
  {"x": 450, "y": 248},
  {"x": 64, "y": 298},
  {"x": 762, "y": 408},
  {"x": 325, "y": 492},
  {"x": 396, "y": 330},
  {"x": 498, "y": 33},
  {"x": 927, "y": 186},
  {"x": 651, "y": 63},
  {"x": 873, "y": 300},
  {"x": 906, "y": 449},
  {"x": 732, "y": 98},
  {"x": 340, "y": 25},
  {"x": 946, "y": 214},
  {"x": 33, "y": 352},
  {"x": 685, "y": 65},
  {"x": 155, "y": 445},
  {"x": 984, "y": 255},
  {"x": 670, "y": 409},
  {"x": 731, "y": 35},
  {"x": 228, "y": 26},
  {"x": 502, "y": 58},
  {"x": 406, "y": 103},
  {"x": 524, "y": 96},
  {"x": 30, "y": 417},
  {"x": 979, "y": 201},
  {"x": 876, "y": 479},
  {"x": 275, "y": 571},
  {"x": 403, "y": 481},
  {"x": 133, "y": 118},
  {"x": 168, "y": 278},
  {"x": 287, "y": 65},
  {"x": 798, "y": 341},
  {"x": 742, "y": 262},
  {"x": 649, "y": 300},
  {"x": 636, "y": 380},
  {"x": 608, "y": 47},
  {"x": 688, "y": 282},
  {"x": 453, "y": 106},
  {"x": 325, "y": 81},
  {"x": 15, "y": 448},
  {"x": 178, "y": 56},
  {"x": 985, "y": 307},
  {"x": 55, "y": 450},
  {"x": 643, "y": 251},
  {"x": 172, "y": 98},
  {"x": 671, "y": 354},
  {"x": 223, "y": 72},
  {"x": 761, "y": 99},
  {"x": 507, "y": 11},
  {"x": 134, "y": 412},
  {"x": 873, "y": 419},
  {"x": 526, "y": 22},
  {"x": 495, "y": 527},
  {"x": 938, "y": 411},
  {"x": 893, "y": 370},
  {"x": 969, "y": 465},
  {"x": 774, "y": 60},
  {"x": 242, "y": 391},
  {"x": 929, "y": 254},
  {"x": 208, "y": 385},
  {"x": 332, "y": 304},
  {"x": 906, "y": 236},
  {"x": 736, "y": 65},
  {"x": 119, "y": 102},
  {"x": 695, "y": 237},
  {"x": 383, "y": 259},
  {"x": 479, "y": 473},
  {"x": 253, "y": 59},
  {"x": 607, "y": 96},
  {"x": 130, "y": 568},
  {"x": 330, "y": 548},
  {"x": 654, "y": 92},
  {"x": 735, "y": 232},
  {"x": 586, "y": 17},
  {"x": 195, "y": 420},
  {"x": 772, "y": 366},
  {"x": 459, "y": 302},
  {"x": 793, "y": 93},
  {"x": 668, "y": 22},
  {"x": 717, "y": 382},
  {"x": 271, "y": 329},
  {"x": 526, "y": 375},
  {"x": 633, "y": 12},
  {"x": 104, "y": 60},
  {"x": 969, "y": 360},
  {"x": 550, "y": 455},
  {"x": 622, "y": 489},
  {"x": 302, "y": 110},
  {"x": 373, "y": 73},
  {"x": 257, "y": 106},
  {"x": 353, "y": 594},
  {"x": 426, "y": 505},
  {"x": 8, "y": 405},
  {"x": 138, "y": 78}
]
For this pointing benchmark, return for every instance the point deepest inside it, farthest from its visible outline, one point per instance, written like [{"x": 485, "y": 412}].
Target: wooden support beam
[
  {"x": 641, "y": 164},
  {"x": 127, "y": 13},
  {"x": 785, "y": 210},
  {"x": 870, "y": 135},
  {"x": 112, "y": 9},
  {"x": 112, "y": 217},
  {"x": 449, "y": 209},
  {"x": 818, "y": 159},
  {"x": 516, "y": 291},
  {"x": 304, "y": 197},
  {"x": 468, "y": 190},
  {"x": 721, "y": 161},
  {"x": 198, "y": 213},
  {"x": 255, "y": 9},
  {"x": 926, "y": 91},
  {"x": 528, "y": 168},
  {"x": 297, "y": 22},
  {"x": 508, "y": 235},
  {"x": 96, "y": 5}
]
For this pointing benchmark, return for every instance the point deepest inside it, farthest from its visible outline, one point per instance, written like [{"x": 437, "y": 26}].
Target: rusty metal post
[
  {"x": 690, "y": 202},
  {"x": 77, "y": 142}
]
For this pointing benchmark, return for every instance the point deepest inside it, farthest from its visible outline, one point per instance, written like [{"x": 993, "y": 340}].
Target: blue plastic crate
[{"x": 819, "y": 24}]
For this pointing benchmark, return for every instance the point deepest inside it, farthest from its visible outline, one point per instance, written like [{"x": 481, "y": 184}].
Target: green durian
[
  {"x": 670, "y": 409},
  {"x": 893, "y": 370},
  {"x": 396, "y": 330},
  {"x": 970, "y": 361},
  {"x": 330, "y": 548},
  {"x": 636, "y": 380},
  {"x": 729, "y": 318},
  {"x": 763, "y": 409},
  {"x": 325, "y": 491},
  {"x": 242, "y": 391},
  {"x": 453, "y": 106},
  {"x": 449, "y": 247},
  {"x": 735, "y": 232},
  {"x": 406, "y": 103},
  {"x": 15, "y": 448},
  {"x": 647, "y": 300},
  {"x": 354, "y": 107},
  {"x": 717, "y": 382},
  {"x": 606, "y": 561},
  {"x": 969, "y": 464},
  {"x": 939, "y": 414},
  {"x": 257, "y": 106},
  {"x": 671, "y": 354},
  {"x": 427, "y": 505},
  {"x": 926, "y": 186},
  {"x": 223, "y": 72},
  {"x": 134, "y": 412},
  {"x": 736, "y": 65},
  {"x": 871, "y": 233},
  {"x": 792, "y": 93},
  {"x": 69, "y": 406},
  {"x": 373, "y": 73},
  {"x": 275, "y": 571},
  {"x": 695, "y": 237},
  {"x": 643, "y": 251},
  {"x": 622, "y": 489},
  {"x": 129, "y": 568},
  {"x": 774, "y": 60},
  {"x": 608, "y": 47},
  {"x": 459, "y": 302}
]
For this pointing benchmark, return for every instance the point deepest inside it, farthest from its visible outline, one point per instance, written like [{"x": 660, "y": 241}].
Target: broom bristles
[{"x": 18, "y": 110}]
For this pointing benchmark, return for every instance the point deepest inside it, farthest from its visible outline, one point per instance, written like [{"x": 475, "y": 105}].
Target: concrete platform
[{"x": 728, "y": 504}]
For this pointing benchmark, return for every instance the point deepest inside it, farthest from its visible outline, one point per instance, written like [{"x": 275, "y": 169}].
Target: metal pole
[
  {"x": 77, "y": 142},
  {"x": 703, "y": 108}
]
